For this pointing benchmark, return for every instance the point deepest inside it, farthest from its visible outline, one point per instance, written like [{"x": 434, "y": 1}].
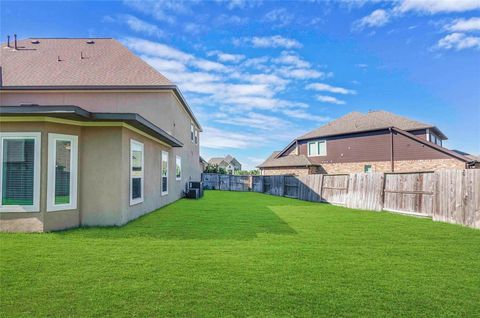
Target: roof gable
[{"x": 357, "y": 122}]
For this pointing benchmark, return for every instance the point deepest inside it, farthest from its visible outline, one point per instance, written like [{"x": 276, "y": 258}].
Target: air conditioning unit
[
  {"x": 193, "y": 193},
  {"x": 196, "y": 185}
]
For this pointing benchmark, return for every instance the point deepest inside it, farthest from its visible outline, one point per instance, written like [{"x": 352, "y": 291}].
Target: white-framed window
[
  {"x": 62, "y": 172},
  {"x": 20, "y": 171},
  {"x": 196, "y": 136},
  {"x": 317, "y": 148},
  {"x": 192, "y": 132},
  {"x": 164, "y": 172},
  {"x": 136, "y": 172},
  {"x": 178, "y": 168}
]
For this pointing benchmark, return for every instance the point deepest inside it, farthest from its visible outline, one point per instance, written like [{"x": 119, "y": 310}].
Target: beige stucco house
[{"x": 89, "y": 135}]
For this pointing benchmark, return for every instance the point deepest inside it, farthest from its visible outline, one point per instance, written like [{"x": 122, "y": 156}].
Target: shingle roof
[
  {"x": 357, "y": 122},
  {"x": 74, "y": 62},
  {"x": 285, "y": 161},
  {"x": 215, "y": 161}
]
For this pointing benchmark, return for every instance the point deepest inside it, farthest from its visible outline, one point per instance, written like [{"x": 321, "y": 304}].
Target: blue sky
[{"x": 260, "y": 73}]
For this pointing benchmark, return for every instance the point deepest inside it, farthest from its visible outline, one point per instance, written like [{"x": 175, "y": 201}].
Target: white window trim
[
  {"x": 52, "y": 154},
  {"x": 192, "y": 133},
  {"x": 36, "y": 174},
  {"x": 178, "y": 158},
  {"x": 137, "y": 200},
  {"x": 196, "y": 137},
  {"x": 164, "y": 153},
  {"x": 316, "y": 142}
]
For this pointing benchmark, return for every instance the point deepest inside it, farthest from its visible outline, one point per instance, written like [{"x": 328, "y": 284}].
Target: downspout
[{"x": 392, "y": 167}]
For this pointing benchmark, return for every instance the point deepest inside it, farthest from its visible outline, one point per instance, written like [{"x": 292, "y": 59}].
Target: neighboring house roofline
[
  {"x": 76, "y": 113},
  {"x": 178, "y": 94},
  {"x": 433, "y": 145}
]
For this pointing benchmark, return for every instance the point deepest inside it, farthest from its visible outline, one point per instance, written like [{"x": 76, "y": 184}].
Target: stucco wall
[
  {"x": 43, "y": 220},
  {"x": 104, "y": 158}
]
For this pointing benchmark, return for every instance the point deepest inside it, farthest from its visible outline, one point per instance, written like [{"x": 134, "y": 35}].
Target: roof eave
[
  {"x": 73, "y": 112},
  {"x": 173, "y": 88}
]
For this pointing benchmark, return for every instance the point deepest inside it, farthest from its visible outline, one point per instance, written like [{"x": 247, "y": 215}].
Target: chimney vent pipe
[
  {"x": 15, "y": 37},
  {"x": 8, "y": 40}
]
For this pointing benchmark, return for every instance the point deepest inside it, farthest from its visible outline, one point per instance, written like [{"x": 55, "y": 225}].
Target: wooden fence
[{"x": 447, "y": 195}]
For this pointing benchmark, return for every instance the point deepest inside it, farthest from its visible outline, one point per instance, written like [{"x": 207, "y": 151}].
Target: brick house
[
  {"x": 376, "y": 141},
  {"x": 229, "y": 163}
]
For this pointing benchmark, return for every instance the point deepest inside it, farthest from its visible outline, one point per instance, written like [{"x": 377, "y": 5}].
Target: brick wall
[
  {"x": 399, "y": 166},
  {"x": 378, "y": 166},
  {"x": 297, "y": 171}
]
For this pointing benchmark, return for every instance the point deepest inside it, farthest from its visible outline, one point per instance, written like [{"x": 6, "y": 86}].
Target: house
[
  {"x": 358, "y": 142},
  {"x": 229, "y": 163},
  {"x": 90, "y": 135},
  {"x": 203, "y": 164}
]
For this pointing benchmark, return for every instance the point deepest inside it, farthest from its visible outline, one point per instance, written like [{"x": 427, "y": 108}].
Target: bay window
[
  {"x": 62, "y": 172},
  {"x": 164, "y": 172},
  {"x": 20, "y": 172},
  {"x": 136, "y": 172}
]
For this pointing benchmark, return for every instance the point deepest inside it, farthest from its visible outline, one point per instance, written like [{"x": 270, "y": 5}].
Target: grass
[{"x": 246, "y": 254}]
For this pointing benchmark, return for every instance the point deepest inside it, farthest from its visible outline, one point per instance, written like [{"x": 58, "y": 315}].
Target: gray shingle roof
[
  {"x": 285, "y": 161},
  {"x": 357, "y": 122}
]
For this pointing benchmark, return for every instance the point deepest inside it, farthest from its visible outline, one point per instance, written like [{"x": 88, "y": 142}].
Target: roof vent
[
  {"x": 90, "y": 42},
  {"x": 35, "y": 42}
]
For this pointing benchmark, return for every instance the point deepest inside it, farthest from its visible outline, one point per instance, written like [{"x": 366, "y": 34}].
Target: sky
[{"x": 258, "y": 74}]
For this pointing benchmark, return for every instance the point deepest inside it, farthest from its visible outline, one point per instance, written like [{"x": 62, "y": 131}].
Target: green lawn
[{"x": 246, "y": 254}]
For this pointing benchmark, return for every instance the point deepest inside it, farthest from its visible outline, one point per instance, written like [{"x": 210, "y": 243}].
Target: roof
[
  {"x": 217, "y": 160},
  {"x": 79, "y": 64},
  {"x": 74, "y": 62},
  {"x": 285, "y": 161},
  {"x": 358, "y": 122},
  {"x": 77, "y": 113}
]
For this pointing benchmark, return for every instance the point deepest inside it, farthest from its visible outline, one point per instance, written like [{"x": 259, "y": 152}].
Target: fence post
[
  {"x": 321, "y": 188},
  {"x": 384, "y": 180}
]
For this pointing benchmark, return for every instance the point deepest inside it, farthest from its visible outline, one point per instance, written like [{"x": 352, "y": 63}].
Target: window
[
  {"x": 367, "y": 168},
  {"x": 196, "y": 136},
  {"x": 62, "y": 172},
  {"x": 20, "y": 172},
  {"x": 191, "y": 132},
  {"x": 136, "y": 172},
  {"x": 178, "y": 168},
  {"x": 164, "y": 172},
  {"x": 433, "y": 138},
  {"x": 317, "y": 148}
]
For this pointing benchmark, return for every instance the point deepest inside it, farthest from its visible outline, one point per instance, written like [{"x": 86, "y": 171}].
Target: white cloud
[
  {"x": 279, "y": 17},
  {"x": 253, "y": 120},
  {"x": 459, "y": 41},
  {"x": 273, "y": 41},
  {"x": 218, "y": 139},
  {"x": 156, "y": 49},
  {"x": 227, "y": 57},
  {"x": 377, "y": 18},
  {"x": 224, "y": 19},
  {"x": 194, "y": 28},
  {"x": 291, "y": 59},
  {"x": 329, "y": 99},
  {"x": 437, "y": 6},
  {"x": 136, "y": 24},
  {"x": 302, "y": 114},
  {"x": 328, "y": 88},
  {"x": 464, "y": 25},
  {"x": 302, "y": 74},
  {"x": 162, "y": 10}
]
